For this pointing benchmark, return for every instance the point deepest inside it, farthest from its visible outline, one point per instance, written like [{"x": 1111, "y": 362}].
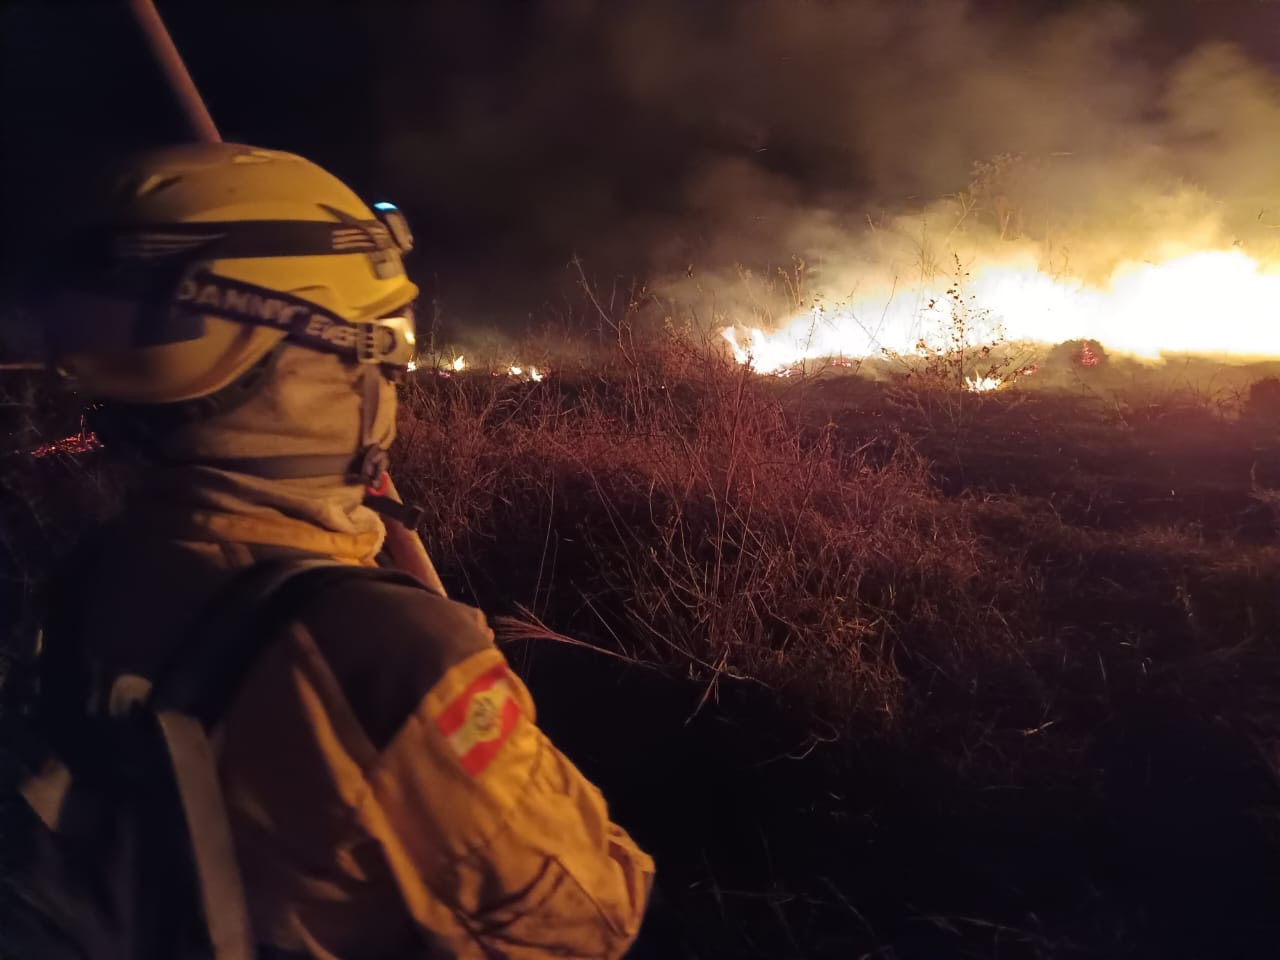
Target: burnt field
[{"x": 880, "y": 668}]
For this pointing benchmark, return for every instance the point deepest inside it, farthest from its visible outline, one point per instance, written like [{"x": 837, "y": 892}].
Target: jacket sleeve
[{"x": 500, "y": 846}]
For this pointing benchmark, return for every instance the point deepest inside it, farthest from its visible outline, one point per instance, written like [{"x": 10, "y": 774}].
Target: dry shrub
[{"x": 706, "y": 529}]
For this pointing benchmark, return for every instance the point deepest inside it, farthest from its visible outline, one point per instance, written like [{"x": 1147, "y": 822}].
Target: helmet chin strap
[{"x": 370, "y": 461}]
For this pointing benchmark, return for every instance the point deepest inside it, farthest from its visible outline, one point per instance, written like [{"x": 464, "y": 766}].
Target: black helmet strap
[
  {"x": 302, "y": 321},
  {"x": 370, "y": 461},
  {"x": 256, "y": 239}
]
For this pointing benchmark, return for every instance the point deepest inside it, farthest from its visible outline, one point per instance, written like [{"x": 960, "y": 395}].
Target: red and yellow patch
[{"x": 480, "y": 719}]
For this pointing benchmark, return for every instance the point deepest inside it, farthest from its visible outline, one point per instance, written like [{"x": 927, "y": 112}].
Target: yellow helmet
[{"x": 210, "y": 255}]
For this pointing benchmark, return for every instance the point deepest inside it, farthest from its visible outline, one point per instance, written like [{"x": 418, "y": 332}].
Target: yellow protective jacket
[{"x": 390, "y": 793}]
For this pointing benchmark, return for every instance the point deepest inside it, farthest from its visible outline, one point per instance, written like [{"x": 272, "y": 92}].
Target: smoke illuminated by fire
[{"x": 1213, "y": 302}]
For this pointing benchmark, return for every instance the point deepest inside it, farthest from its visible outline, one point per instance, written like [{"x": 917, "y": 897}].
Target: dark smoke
[
  {"x": 675, "y": 140},
  {"x": 671, "y": 141}
]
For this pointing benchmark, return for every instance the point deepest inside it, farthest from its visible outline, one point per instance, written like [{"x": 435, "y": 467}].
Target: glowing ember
[
  {"x": 1213, "y": 302},
  {"x": 459, "y": 364},
  {"x": 412, "y": 366},
  {"x": 83, "y": 442}
]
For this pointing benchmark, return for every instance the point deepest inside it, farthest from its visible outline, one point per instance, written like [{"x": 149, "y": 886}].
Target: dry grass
[
  {"x": 703, "y": 528},
  {"x": 1038, "y": 613}
]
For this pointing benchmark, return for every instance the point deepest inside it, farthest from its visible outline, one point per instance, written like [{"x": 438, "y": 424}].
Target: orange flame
[{"x": 1210, "y": 302}]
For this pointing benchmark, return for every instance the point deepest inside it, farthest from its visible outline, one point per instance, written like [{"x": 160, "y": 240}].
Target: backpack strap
[
  {"x": 191, "y": 694},
  {"x": 205, "y": 674}
]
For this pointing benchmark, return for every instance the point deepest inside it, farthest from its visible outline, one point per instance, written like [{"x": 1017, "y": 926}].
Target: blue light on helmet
[{"x": 394, "y": 220}]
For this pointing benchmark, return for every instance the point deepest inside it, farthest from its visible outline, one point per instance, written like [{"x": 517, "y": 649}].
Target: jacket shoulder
[{"x": 388, "y": 644}]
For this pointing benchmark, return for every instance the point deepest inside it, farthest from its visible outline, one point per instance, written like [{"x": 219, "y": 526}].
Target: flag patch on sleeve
[{"x": 479, "y": 720}]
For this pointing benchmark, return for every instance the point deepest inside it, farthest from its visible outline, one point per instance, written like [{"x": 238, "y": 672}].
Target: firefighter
[{"x": 240, "y": 315}]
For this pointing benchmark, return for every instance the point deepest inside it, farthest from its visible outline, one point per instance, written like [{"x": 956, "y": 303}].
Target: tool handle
[{"x": 175, "y": 70}]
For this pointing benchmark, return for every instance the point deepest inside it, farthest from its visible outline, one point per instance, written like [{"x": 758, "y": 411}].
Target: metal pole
[{"x": 175, "y": 71}]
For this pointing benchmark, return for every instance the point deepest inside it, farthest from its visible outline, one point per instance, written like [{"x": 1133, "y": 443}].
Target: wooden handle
[
  {"x": 175, "y": 70},
  {"x": 406, "y": 547}
]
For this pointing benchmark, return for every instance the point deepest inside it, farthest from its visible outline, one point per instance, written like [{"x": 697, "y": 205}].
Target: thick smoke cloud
[{"x": 675, "y": 140}]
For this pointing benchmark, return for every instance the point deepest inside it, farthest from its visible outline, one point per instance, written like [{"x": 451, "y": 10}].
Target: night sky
[{"x": 653, "y": 138}]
